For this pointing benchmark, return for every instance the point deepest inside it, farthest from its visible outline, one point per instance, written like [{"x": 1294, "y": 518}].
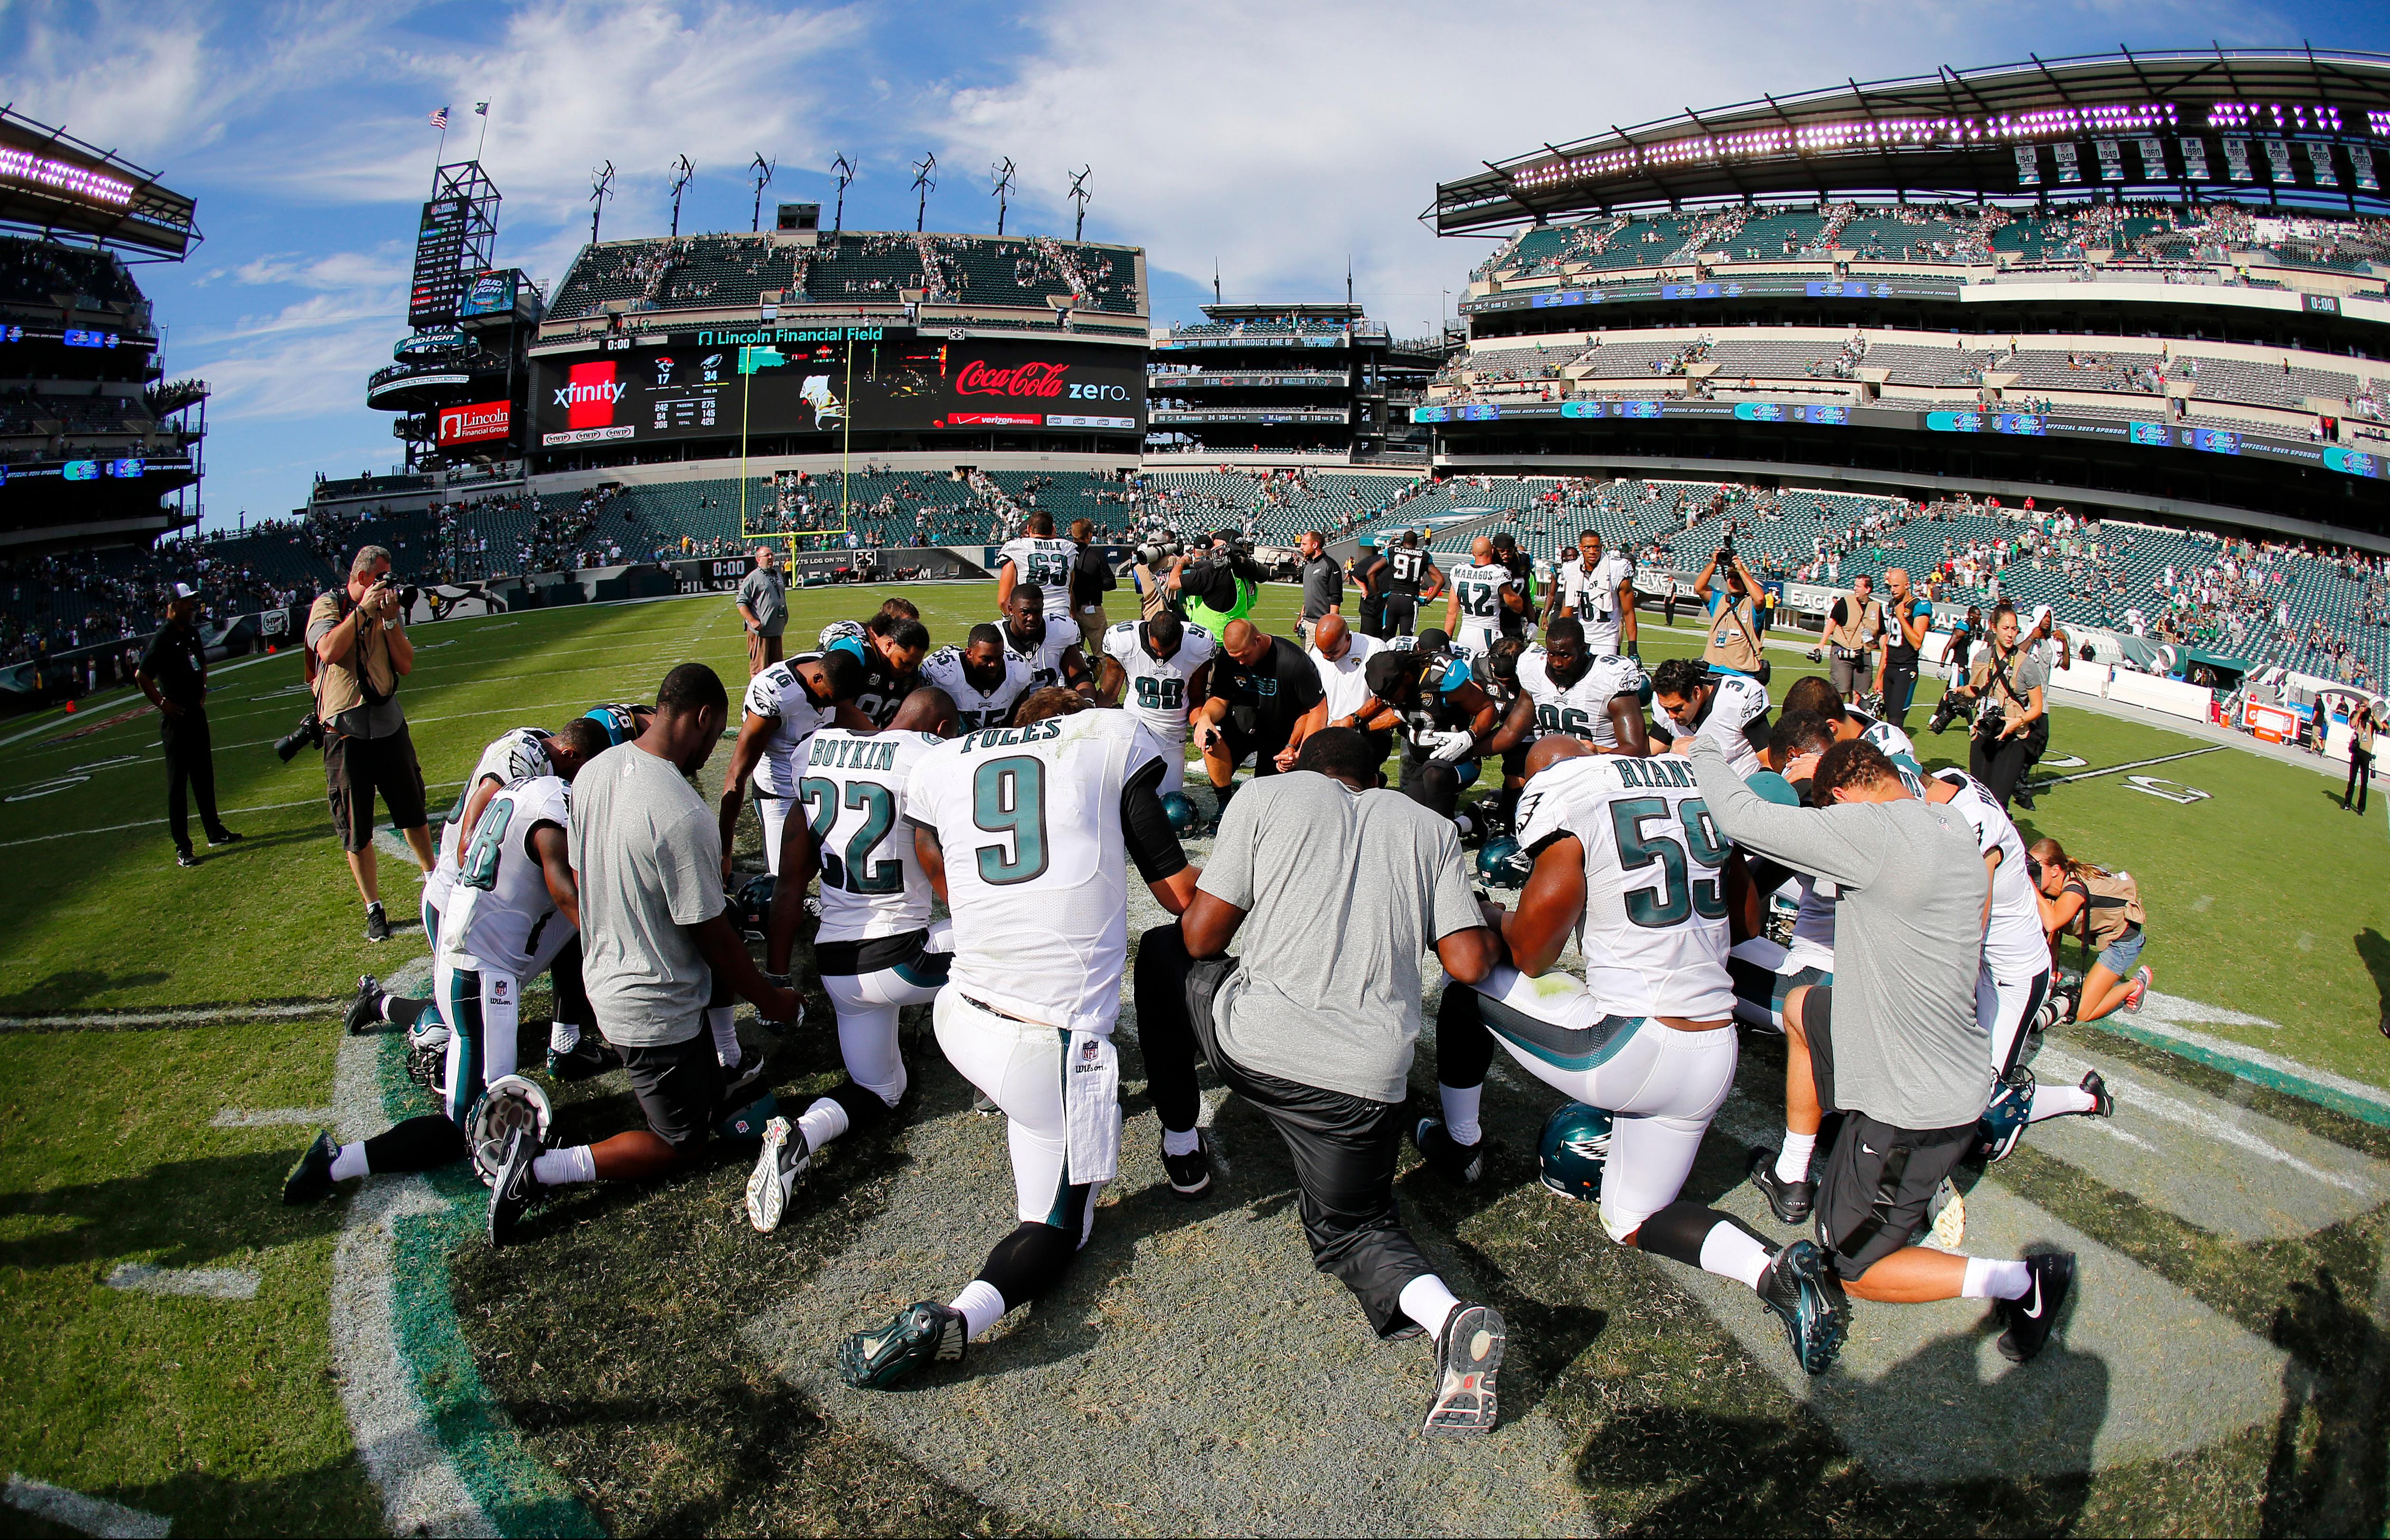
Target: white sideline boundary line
[
  {"x": 91, "y": 1515},
  {"x": 271, "y": 1117},
  {"x": 206, "y": 1283},
  {"x": 107, "y": 1019}
]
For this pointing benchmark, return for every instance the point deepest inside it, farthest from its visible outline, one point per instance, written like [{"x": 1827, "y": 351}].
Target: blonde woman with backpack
[{"x": 2104, "y": 910}]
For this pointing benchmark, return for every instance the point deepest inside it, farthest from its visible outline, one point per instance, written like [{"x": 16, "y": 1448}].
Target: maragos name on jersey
[
  {"x": 1006, "y": 737},
  {"x": 851, "y": 755}
]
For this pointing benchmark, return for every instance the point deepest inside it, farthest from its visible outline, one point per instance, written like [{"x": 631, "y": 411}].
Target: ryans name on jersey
[
  {"x": 1664, "y": 772},
  {"x": 852, "y": 754}
]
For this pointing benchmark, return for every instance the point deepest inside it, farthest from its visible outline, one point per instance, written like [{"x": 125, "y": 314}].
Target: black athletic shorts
[
  {"x": 1879, "y": 1179},
  {"x": 1262, "y": 748},
  {"x": 356, "y": 768},
  {"x": 679, "y": 1085}
]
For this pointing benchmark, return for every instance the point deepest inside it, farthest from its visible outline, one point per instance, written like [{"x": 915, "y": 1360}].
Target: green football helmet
[
  {"x": 1184, "y": 819},
  {"x": 1502, "y": 863},
  {"x": 1574, "y": 1148},
  {"x": 751, "y": 904}
]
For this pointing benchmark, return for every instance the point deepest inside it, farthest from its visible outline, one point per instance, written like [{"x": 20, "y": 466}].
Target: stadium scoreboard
[{"x": 833, "y": 379}]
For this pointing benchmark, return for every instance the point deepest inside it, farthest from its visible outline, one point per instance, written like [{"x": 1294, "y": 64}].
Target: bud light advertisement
[{"x": 688, "y": 386}]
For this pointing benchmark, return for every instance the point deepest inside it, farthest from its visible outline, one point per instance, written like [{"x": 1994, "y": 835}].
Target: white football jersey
[
  {"x": 853, "y": 794},
  {"x": 836, "y": 632},
  {"x": 1341, "y": 679},
  {"x": 1581, "y": 710},
  {"x": 1813, "y": 924},
  {"x": 1037, "y": 869},
  {"x": 518, "y": 754},
  {"x": 779, "y": 694},
  {"x": 1896, "y": 746},
  {"x": 2014, "y": 945},
  {"x": 1592, "y": 596},
  {"x": 1479, "y": 592},
  {"x": 1654, "y": 932},
  {"x": 1044, "y": 659},
  {"x": 501, "y": 918},
  {"x": 1046, "y": 563},
  {"x": 1736, "y": 703},
  {"x": 1156, "y": 694},
  {"x": 976, "y": 707}
]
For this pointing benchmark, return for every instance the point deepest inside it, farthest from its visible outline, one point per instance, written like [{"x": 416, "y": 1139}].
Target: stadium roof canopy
[
  {"x": 51, "y": 183},
  {"x": 2288, "y": 127}
]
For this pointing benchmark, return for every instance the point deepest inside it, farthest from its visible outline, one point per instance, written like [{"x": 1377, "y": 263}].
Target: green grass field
[{"x": 610, "y": 1372}]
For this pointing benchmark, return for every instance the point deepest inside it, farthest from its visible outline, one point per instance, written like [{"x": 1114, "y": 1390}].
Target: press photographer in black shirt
[{"x": 174, "y": 674}]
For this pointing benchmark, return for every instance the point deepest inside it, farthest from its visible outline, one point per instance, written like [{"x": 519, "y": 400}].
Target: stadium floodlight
[
  {"x": 1003, "y": 177},
  {"x": 1079, "y": 195},
  {"x": 844, "y": 169},
  {"x": 682, "y": 172},
  {"x": 925, "y": 184},
  {"x": 601, "y": 187},
  {"x": 763, "y": 170}
]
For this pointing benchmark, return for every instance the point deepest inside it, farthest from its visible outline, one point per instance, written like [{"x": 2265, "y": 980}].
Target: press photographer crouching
[{"x": 358, "y": 651}]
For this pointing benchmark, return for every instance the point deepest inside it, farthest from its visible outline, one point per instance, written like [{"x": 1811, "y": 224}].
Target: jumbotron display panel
[{"x": 649, "y": 389}]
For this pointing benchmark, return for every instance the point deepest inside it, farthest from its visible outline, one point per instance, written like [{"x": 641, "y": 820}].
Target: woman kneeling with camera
[{"x": 2104, "y": 910}]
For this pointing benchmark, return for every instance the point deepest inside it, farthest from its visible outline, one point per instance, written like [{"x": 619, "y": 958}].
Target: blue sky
[{"x": 1276, "y": 141}]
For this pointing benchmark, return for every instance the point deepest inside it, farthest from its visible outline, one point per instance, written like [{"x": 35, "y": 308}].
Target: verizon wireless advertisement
[{"x": 688, "y": 387}]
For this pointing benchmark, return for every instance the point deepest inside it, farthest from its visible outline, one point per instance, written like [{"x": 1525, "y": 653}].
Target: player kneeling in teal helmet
[{"x": 1625, "y": 847}]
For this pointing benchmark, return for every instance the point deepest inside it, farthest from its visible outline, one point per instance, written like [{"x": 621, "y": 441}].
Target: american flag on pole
[{"x": 440, "y": 119}]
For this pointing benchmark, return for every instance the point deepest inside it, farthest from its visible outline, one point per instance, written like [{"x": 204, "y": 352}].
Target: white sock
[
  {"x": 2057, "y": 1101},
  {"x": 1173, "y": 1142},
  {"x": 1428, "y": 1302},
  {"x": 1793, "y": 1161},
  {"x": 1460, "y": 1111},
  {"x": 823, "y": 1122},
  {"x": 1987, "y": 1279},
  {"x": 554, "y": 1168},
  {"x": 386, "y": 1000},
  {"x": 1732, "y": 1252},
  {"x": 982, "y": 1305},
  {"x": 718, "y": 1021},
  {"x": 349, "y": 1162},
  {"x": 562, "y": 1037}
]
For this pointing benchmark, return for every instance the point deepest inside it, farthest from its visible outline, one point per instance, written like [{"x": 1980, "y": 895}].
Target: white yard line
[
  {"x": 91, "y": 1515},
  {"x": 207, "y": 1283},
  {"x": 272, "y": 1117}
]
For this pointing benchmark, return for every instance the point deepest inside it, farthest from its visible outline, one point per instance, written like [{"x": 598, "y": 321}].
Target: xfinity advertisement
[{"x": 689, "y": 386}]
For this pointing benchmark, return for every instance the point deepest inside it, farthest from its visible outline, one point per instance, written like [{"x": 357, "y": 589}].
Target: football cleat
[
  {"x": 512, "y": 1192},
  {"x": 739, "y": 1080},
  {"x": 309, "y": 1179},
  {"x": 1800, "y": 1289},
  {"x": 926, "y": 1333},
  {"x": 1792, "y": 1202},
  {"x": 2104, "y": 1101},
  {"x": 2031, "y": 1315},
  {"x": 2003, "y": 1122},
  {"x": 1468, "y": 1356},
  {"x": 376, "y": 923},
  {"x": 1447, "y": 1156},
  {"x": 1190, "y": 1174},
  {"x": 785, "y": 1159},
  {"x": 364, "y": 1011},
  {"x": 591, "y": 1057}
]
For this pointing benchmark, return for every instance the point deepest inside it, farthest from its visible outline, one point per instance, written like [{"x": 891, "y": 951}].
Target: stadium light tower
[
  {"x": 844, "y": 169},
  {"x": 601, "y": 187},
  {"x": 682, "y": 172},
  {"x": 763, "y": 170},
  {"x": 1079, "y": 195},
  {"x": 924, "y": 182},
  {"x": 1003, "y": 175}
]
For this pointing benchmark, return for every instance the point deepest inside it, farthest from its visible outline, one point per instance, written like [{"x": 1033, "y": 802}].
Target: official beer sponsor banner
[{"x": 687, "y": 386}]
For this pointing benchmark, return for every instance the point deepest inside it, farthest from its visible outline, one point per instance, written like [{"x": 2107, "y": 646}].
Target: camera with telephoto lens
[{"x": 309, "y": 734}]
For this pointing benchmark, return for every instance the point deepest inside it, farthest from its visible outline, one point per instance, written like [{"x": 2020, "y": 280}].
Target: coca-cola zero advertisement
[{"x": 687, "y": 386}]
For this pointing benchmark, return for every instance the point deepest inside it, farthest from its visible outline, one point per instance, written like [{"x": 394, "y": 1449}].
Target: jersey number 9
[{"x": 1008, "y": 798}]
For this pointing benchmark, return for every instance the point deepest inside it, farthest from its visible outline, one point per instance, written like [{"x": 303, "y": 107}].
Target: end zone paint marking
[
  {"x": 210, "y": 1283},
  {"x": 91, "y": 1515}
]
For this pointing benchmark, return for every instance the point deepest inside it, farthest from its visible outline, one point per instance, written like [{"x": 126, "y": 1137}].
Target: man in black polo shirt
[
  {"x": 174, "y": 674},
  {"x": 1264, "y": 700}
]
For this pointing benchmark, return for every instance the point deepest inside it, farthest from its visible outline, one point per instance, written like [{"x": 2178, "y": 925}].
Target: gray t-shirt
[
  {"x": 1909, "y": 941},
  {"x": 1323, "y": 586},
  {"x": 766, "y": 594},
  {"x": 2026, "y": 670},
  {"x": 648, "y": 854},
  {"x": 1342, "y": 891}
]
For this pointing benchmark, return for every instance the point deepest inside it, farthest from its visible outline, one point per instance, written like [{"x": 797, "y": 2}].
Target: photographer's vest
[
  {"x": 1859, "y": 626},
  {"x": 337, "y": 689},
  {"x": 1216, "y": 621},
  {"x": 1734, "y": 638}
]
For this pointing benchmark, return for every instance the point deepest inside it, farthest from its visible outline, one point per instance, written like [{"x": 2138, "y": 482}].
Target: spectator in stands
[
  {"x": 764, "y": 606},
  {"x": 357, "y": 645},
  {"x": 2361, "y": 756},
  {"x": 174, "y": 674}
]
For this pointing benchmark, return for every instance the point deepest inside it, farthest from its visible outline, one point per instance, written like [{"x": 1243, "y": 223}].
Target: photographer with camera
[
  {"x": 356, "y": 640},
  {"x": 2011, "y": 722},
  {"x": 1853, "y": 627},
  {"x": 174, "y": 674},
  {"x": 1733, "y": 647},
  {"x": 1217, "y": 585}
]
